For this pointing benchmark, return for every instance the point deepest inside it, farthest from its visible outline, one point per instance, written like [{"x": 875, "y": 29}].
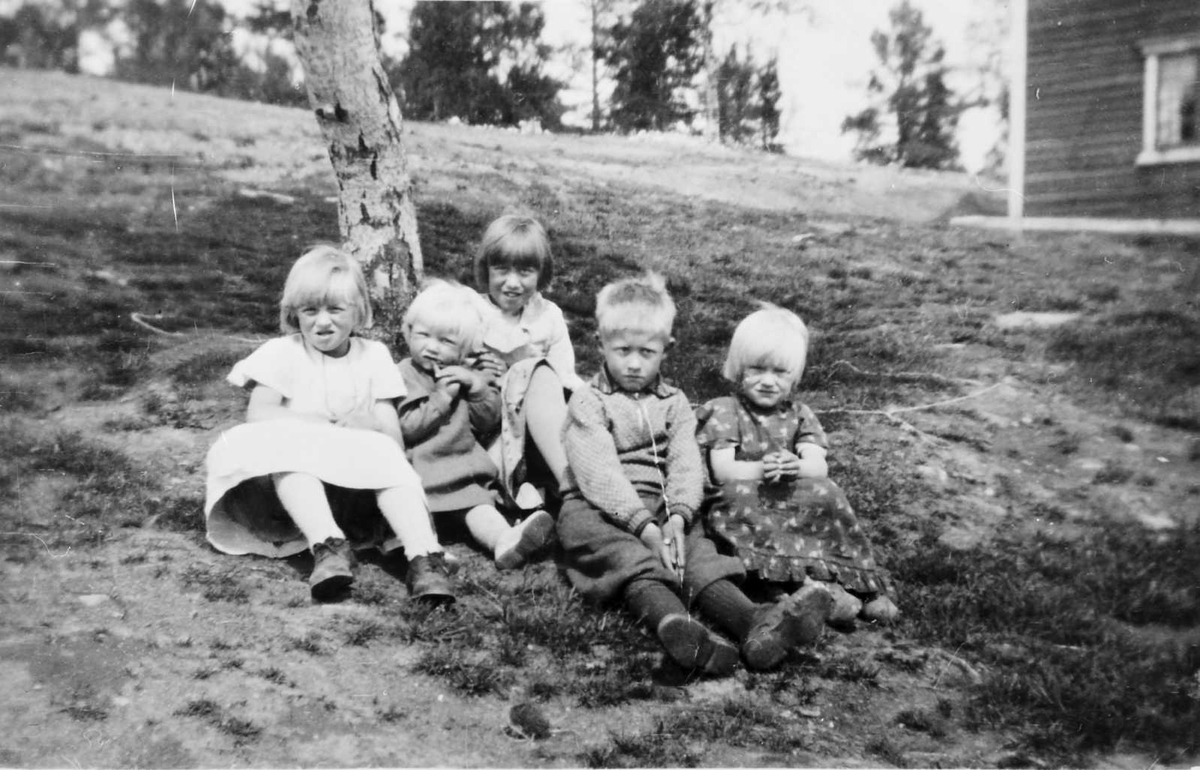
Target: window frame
[{"x": 1152, "y": 50}]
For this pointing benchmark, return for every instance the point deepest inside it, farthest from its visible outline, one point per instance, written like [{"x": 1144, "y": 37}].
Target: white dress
[{"x": 242, "y": 513}]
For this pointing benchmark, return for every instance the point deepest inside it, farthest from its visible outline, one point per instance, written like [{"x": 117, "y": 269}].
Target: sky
[{"x": 824, "y": 61}]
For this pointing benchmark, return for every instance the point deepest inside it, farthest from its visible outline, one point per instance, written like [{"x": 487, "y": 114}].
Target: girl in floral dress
[{"x": 778, "y": 510}]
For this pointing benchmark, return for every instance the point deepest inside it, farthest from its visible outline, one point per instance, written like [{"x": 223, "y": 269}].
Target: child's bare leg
[
  {"x": 303, "y": 497},
  {"x": 405, "y": 511},
  {"x": 487, "y": 525},
  {"x": 511, "y": 547},
  {"x": 545, "y": 422}
]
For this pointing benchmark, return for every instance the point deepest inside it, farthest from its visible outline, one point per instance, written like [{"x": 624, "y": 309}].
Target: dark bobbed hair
[{"x": 514, "y": 240}]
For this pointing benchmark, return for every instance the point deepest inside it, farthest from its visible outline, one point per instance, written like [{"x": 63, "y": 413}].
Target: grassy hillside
[{"x": 1032, "y": 489}]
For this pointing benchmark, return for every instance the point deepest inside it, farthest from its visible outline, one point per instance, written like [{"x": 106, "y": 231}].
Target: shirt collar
[{"x": 604, "y": 384}]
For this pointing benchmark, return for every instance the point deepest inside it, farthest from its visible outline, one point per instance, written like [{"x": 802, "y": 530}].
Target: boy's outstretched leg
[
  {"x": 767, "y": 631},
  {"x": 686, "y": 640}
]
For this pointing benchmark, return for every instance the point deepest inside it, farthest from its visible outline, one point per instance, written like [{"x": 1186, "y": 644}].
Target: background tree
[
  {"x": 719, "y": 13},
  {"x": 360, "y": 121},
  {"x": 602, "y": 19},
  {"x": 737, "y": 104},
  {"x": 176, "y": 43},
  {"x": 656, "y": 56},
  {"x": 912, "y": 98},
  {"x": 769, "y": 95},
  {"x": 481, "y": 62},
  {"x": 36, "y": 37}
]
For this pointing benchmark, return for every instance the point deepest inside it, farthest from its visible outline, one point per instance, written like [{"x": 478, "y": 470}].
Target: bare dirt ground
[{"x": 146, "y": 648}]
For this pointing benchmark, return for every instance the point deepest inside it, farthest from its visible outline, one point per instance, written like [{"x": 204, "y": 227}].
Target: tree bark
[{"x": 361, "y": 126}]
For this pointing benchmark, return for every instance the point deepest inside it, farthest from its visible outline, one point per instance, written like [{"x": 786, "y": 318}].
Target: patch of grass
[
  {"x": 276, "y": 676},
  {"x": 16, "y": 397},
  {"x": 427, "y": 623},
  {"x": 206, "y": 367},
  {"x": 359, "y": 632},
  {"x": 202, "y": 708},
  {"x": 1113, "y": 472},
  {"x": 736, "y": 722},
  {"x": 86, "y": 713},
  {"x": 656, "y": 749},
  {"x": 925, "y": 721},
  {"x": 614, "y": 682},
  {"x": 108, "y": 490},
  {"x": 1122, "y": 433},
  {"x": 1088, "y": 676},
  {"x": 1159, "y": 361},
  {"x": 1067, "y": 442},
  {"x": 180, "y": 514},
  {"x": 850, "y": 668},
  {"x": 215, "y": 585},
  {"x": 310, "y": 643},
  {"x": 471, "y": 678},
  {"x": 886, "y": 749},
  {"x": 391, "y": 715}
]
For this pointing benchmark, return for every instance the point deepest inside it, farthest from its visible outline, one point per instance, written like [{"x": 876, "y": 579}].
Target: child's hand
[
  {"x": 360, "y": 421},
  {"x": 779, "y": 467},
  {"x": 489, "y": 363},
  {"x": 674, "y": 532},
  {"x": 669, "y": 551},
  {"x": 470, "y": 380}
]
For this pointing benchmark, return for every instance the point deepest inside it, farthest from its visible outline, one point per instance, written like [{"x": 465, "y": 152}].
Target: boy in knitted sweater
[{"x": 630, "y": 524}]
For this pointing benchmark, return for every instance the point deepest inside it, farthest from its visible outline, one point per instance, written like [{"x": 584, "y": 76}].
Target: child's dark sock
[
  {"x": 728, "y": 607},
  {"x": 650, "y": 601}
]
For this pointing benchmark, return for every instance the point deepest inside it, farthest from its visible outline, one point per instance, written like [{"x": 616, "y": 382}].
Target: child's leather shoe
[
  {"x": 881, "y": 610},
  {"x": 428, "y": 579},
  {"x": 790, "y": 622},
  {"x": 522, "y": 542},
  {"x": 694, "y": 647},
  {"x": 331, "y": 573}
]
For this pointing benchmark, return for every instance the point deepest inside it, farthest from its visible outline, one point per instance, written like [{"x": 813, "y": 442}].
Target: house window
[{"x": 1171, "y": 119}]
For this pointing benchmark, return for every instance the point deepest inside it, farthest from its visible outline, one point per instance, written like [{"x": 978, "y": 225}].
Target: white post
[{"x": 1018, "y": 85}]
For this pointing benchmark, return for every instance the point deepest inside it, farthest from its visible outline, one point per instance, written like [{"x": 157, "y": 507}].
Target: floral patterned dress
[{"x": 785, "y": 532}]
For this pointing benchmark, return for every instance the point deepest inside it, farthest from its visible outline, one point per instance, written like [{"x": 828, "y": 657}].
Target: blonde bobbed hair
[
  {"x": 325, "y": 275},
  {"x": 768, "y": 336}
]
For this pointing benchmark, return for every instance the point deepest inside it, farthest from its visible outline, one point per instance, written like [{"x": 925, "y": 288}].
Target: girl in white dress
[{"x": 321, "y": 423}]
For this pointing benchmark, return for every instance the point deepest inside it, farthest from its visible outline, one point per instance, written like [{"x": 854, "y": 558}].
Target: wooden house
[{"x": 1107, "y": 125}]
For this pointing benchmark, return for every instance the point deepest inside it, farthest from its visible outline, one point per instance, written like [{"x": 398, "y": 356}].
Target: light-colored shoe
[
  {"x": 846, "y": 606},
  {"x": 522, "y": 542},
  {"x": 881, "y": 610}
]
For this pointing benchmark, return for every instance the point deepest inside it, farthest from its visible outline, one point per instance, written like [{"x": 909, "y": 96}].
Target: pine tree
[
  {"x": 656, "y": 56},
  {"x": 480, "y": 62},
  {"x": 911, "y": 98}
]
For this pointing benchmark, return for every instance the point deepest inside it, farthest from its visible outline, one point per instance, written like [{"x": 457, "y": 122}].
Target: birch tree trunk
[{"x": 361, "y": 126}]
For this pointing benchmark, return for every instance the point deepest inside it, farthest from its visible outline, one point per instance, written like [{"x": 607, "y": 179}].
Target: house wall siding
[{"x": 1084, "y": 110}]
